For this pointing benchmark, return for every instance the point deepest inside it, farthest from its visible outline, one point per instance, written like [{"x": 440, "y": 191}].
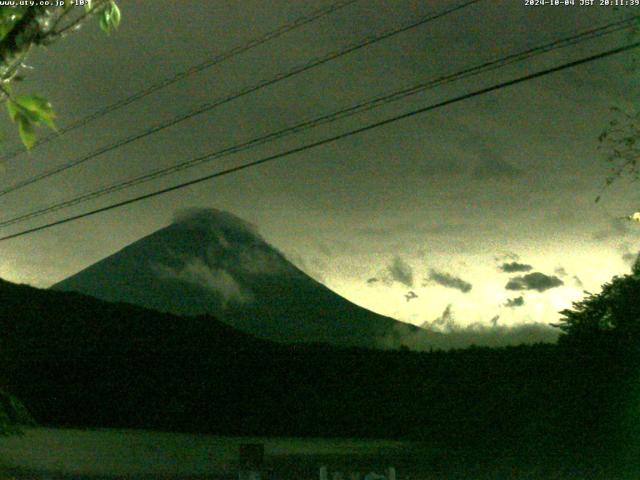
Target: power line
[
  {"x": 328, "y": 140},
  {"x": 329, "y": 118},
  {"x": 272, "y": 35},
  {"x": 216, "y": 103}
]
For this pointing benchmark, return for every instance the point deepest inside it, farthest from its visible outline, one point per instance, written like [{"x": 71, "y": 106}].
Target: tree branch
[{"x": 98, "y": 5}]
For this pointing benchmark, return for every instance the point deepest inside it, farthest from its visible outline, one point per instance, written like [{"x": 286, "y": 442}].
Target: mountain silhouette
[{"x": 211, "y": 262}]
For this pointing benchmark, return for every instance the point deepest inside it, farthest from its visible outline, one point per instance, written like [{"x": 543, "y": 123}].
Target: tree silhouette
[{"x": 612, "y": 315}]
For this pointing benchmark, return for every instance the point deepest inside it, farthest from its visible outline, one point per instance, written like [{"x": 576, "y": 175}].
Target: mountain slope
[{"x": 211, "y": 262}]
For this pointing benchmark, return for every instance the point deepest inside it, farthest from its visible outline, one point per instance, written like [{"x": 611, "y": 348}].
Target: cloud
[
  {"x": 228, "y": 243},
  {"x": 261, "y": 261},
  {"x": 411, "y": 228},
  {"x": 196, "y": 272},
  {"x": 494, "y": 167},
  {"x": 490, "y": 163},
  {"x": 444, "y": 333},
  {"x": 448, "y": 280},
  {"x": 400, "y": 271},
  {"x": 504, "y": 257},
  {"x": 534, "y": 281},
  {"x": 629, "y": 256},
  {"x": 445, "y": 322},
  {"x": 618, "y": 228},
  {"x": 439, "y": 166},
  {"x": 560, "y": 271},
  {"x": 410, "y": 295},
  {"x": 515, "y": 267},
  {"x": 314, "y": 267},
  {"x": 499, "y": 335},
  {"x": 372, "y": 280},
  {"x": 514, "y": 302},
  {"x": 213, "y": 219}
]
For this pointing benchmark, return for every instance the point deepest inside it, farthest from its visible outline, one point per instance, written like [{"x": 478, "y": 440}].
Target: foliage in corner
[
  {"x": 611, "y": 316},
  {"x": 22, "y": 28}
]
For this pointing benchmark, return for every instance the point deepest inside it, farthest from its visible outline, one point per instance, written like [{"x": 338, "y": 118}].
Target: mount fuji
[{"x": 211, "y": 262}]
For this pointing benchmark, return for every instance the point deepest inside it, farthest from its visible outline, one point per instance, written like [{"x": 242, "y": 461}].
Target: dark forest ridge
[{"x": 76, "y": 361}]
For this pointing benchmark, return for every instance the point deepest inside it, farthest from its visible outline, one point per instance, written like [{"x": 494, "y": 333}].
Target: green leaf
[
  {"x": 115, "y": 15},
  {"x": 28, "y": 111},
  {"x": 104, "y": 21},
  {"x": 37, "y": 109},
  {"x": 110, "y": 18},
  {"x": 13, "y": 110},
  {"x": 34, "y": 103},
  {"x": 26, "y": 131},
  {"x": 8, "y": 18}
]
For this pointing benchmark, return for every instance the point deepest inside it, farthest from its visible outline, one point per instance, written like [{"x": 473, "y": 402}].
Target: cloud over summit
[{"x": 213, "y": 219}]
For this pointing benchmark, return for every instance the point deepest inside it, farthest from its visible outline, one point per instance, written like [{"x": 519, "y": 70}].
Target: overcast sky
[{"x": 485, "y": 205}]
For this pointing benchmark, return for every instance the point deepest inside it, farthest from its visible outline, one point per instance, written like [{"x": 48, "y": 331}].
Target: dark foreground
[{"x": 65, "y": 454}]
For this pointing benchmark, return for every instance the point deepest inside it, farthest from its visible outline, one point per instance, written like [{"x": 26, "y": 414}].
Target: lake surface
[{"x": 135, "y": 453}]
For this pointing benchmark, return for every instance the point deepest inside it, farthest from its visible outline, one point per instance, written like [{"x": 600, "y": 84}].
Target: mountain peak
[
  {"x": 209, "y": 261},
  {"x": 214, "y": 220}
]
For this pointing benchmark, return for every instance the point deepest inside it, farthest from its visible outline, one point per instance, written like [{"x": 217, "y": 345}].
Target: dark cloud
[
  {"x": 372, "y": 280},
  {"x": 495, "y": 168},
  {"x": 324, "y": 249},
  {"x": 314, "y": 266},
  {"x": 515, "y": 267},
  {"x": 534, "y": 281},
  {"x": 212, "y": 218},
  {"x": 504, "y": 257},
  {"x": 400, "y": 271},
  {"x": 218, "y": 280},
  {"x": 490, "y": 164},
  {"x": 618, "y": 228},
  {"x": 560, "y": 271},
  {"x": 446, "y": 334},
  {"x": 629, "y": 256},
  {"x": 410, "y": 295},
  {"x": 444, "y": 166},
  {"x": 445, "y": 322},
  {"x": 514, "y": 302},
  {"x": 410, "y": 228},
  {"x": 448, "y": 280}
]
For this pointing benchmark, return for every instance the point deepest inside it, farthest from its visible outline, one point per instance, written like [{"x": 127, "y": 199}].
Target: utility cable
[
  {"x": 246, "y": 91},
  {"x": 328, "y": 118}
]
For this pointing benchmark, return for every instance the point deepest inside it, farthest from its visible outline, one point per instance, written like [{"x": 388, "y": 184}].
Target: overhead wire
[
  {"x": 325, "y": 141},
  {"x": 361, "y": 107},
  {"x": 192, "y": 70},
  {"x": 246, "y": 91}
]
